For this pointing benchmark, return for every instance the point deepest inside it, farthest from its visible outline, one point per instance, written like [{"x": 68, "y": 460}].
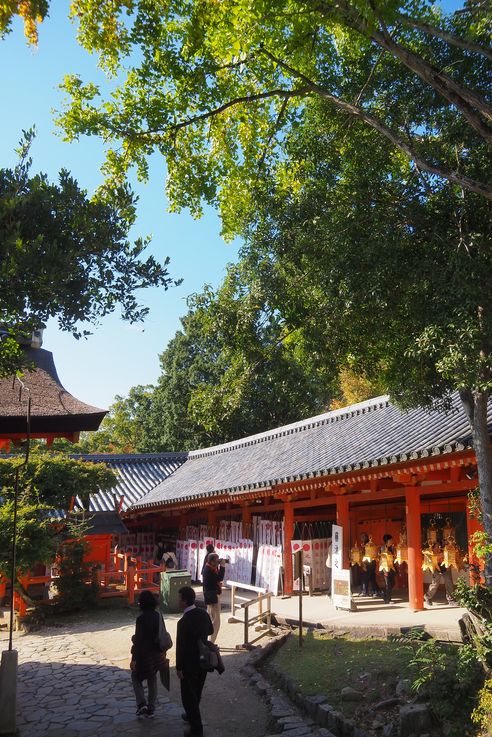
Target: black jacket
[
  {"x": 211, "y": 581},
  {"x": 145, "y": 651},
  {"x": 193, "y": 626}
]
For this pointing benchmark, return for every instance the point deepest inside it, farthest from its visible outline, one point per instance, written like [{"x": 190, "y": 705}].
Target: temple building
[
  {"x": 55, "y": 413},
  {"x": 368, "y": 468}
]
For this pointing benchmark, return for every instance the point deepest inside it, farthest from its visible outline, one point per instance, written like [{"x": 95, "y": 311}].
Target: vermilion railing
[{"x": 128, "y": 576}]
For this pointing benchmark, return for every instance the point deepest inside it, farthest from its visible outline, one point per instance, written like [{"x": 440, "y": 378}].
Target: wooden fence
[{"x": 126, "y": 578}]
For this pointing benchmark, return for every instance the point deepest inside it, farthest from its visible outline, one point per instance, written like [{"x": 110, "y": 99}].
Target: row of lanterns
[{"x": 434, "y": 553}]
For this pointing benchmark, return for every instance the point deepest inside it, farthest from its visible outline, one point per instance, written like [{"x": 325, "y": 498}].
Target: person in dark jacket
[
  {"x": 194, "y": 625},
  {"x": 210, "y": 549},
  {"x": 147, "y": 657},
  {"x": 213, "y": 575}
]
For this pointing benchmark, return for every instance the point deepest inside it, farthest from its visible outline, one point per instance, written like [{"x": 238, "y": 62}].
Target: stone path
[
  {"x": 74, "y": 680},
  {"x": 66, "y": 689}
]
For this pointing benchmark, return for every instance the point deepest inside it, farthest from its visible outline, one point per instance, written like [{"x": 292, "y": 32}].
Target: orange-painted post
[
  {"x": 343, "y": 520},
  {"x": 211, "y": 521},
  {"x": 288, "y": 532},
  {"x": 414, "y": 541},
  {"x": 24, "y": 582},
  {"x": 472, "y": 525},
  {"x": 130, "y": 583}
]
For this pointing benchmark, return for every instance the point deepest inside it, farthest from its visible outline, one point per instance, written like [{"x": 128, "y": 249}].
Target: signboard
[
  {"x": 341, "y": 594},
  {"x": 336, "y": 551}
]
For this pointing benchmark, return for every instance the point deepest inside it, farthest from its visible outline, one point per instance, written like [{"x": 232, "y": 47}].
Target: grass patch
[
  {"x": 445, "y": 675},
  {"x": 326, "y": 664}
]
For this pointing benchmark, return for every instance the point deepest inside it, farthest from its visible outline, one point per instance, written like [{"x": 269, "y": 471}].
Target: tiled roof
[
  {"x": 370, "y": 433},
  {"x": 53, "y": 409},
  {"x": 137, "y": 475}
]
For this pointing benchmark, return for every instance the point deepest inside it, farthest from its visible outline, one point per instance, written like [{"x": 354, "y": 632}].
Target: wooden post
[
  {"x": 246, "y": 520},
  {"x": 343, "y": 520},
  {"x": 21, "y": 603},
  {"x": 414, "y": 541},
  {"x": 472, "y": 525},
  {"x": 288, "y": 532},
  {"x": 130, "y": 583},
  {"x": 96, "y": 579},
  {"x": 246, "y": 624}
]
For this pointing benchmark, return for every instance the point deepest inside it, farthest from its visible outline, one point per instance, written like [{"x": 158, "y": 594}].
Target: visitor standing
[
  {"x": 213, "y": 575},
  {"x": 440, "y": 574},
  {"x": 194, "y": 625},
  {"x": 386, "y": 566},
  {"x": 209, "y": 549}
]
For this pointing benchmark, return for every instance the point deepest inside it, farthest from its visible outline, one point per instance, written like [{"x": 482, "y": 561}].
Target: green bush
[
  {"x": 74, "y": 587},
  {"x": 482, "y": 714}
]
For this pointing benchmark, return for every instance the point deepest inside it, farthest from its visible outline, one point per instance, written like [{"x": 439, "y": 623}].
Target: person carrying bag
[{"x": 148, "y": 654}]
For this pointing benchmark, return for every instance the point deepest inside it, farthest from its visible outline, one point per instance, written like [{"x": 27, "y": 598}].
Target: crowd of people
[{"x": 372, "y": 559}]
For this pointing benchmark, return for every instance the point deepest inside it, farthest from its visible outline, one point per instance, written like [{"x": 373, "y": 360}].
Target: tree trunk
[{"x": 475, "y": 405}]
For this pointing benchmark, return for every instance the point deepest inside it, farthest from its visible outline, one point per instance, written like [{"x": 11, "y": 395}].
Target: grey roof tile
[
  {"x": 137, "y": 475},
  {"x": 362, "y": 435}
]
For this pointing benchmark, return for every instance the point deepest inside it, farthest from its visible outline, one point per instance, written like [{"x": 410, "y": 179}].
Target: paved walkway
[
  {"x": 67, "y": 689},
  {"x": 74, "y": 680},
  {"x": 441, "y": 620}
]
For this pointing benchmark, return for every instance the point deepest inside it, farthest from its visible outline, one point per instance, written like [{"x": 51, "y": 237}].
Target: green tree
[
  {"x": 213, "y": 86},
  {"x": 217, "y": 89},
  {"x": 125, "y": 429},
  {"x": 382, "y": 270},
  {"x": 64, "y": 255},
  {"x": 31, "y": 11},
  {"x": 47, "y": 485},
  {"x": 232, "y": 371}
]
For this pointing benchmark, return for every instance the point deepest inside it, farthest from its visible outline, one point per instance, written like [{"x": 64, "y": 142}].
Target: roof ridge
[
  {"x": 131, "y": 456},
  {"x": 317, "y": 420}
]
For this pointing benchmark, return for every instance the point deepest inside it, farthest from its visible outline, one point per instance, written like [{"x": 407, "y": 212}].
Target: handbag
[
  {"x": 164, "y": 639},
  {"x": 164, "y": 673},
  {"x": 210, "y": 658}
]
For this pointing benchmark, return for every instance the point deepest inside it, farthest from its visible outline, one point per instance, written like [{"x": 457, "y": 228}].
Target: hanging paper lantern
[
  {"x": 386, "y": 561},
  {"x": 356, "y": 556},
  {"x": 431, "y": 560},
  {"x": 402, "y": 548},
  {"x": 451, "y": 554},
  {"x": 432, "y": 533},
  {"x": 370, "y": 551},
  {"x": 448, "y": 530}
]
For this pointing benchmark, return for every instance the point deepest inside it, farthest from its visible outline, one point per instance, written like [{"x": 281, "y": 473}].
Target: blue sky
[{"x": 118, "y": 355}]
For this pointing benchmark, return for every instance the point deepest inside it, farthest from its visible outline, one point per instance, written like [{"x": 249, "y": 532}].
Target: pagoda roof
[{"x": 53, "y": 409}]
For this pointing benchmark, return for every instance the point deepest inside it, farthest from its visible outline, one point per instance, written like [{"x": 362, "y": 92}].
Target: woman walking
[{"x": 147, "y": 656}]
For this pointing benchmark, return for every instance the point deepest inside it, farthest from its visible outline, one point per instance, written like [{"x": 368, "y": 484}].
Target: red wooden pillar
[
  {"x": 414, "y": 540},
  {"x": 288, "y": 532},
  {"x": 343, "y": 520},
  {"x": 246, "y": 520},
  {"x": 212, "y": 522},
  {"x": 472, "y": 525}
]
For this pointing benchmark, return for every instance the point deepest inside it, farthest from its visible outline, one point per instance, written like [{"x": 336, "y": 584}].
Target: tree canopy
[
  {"x": 66, "y": 256},
  {"x": 47, "y": 485},
  {"x": 378, "y": 268},
  {"x": 231, "y": 371},
  {"x": 214, "y": 87}
]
